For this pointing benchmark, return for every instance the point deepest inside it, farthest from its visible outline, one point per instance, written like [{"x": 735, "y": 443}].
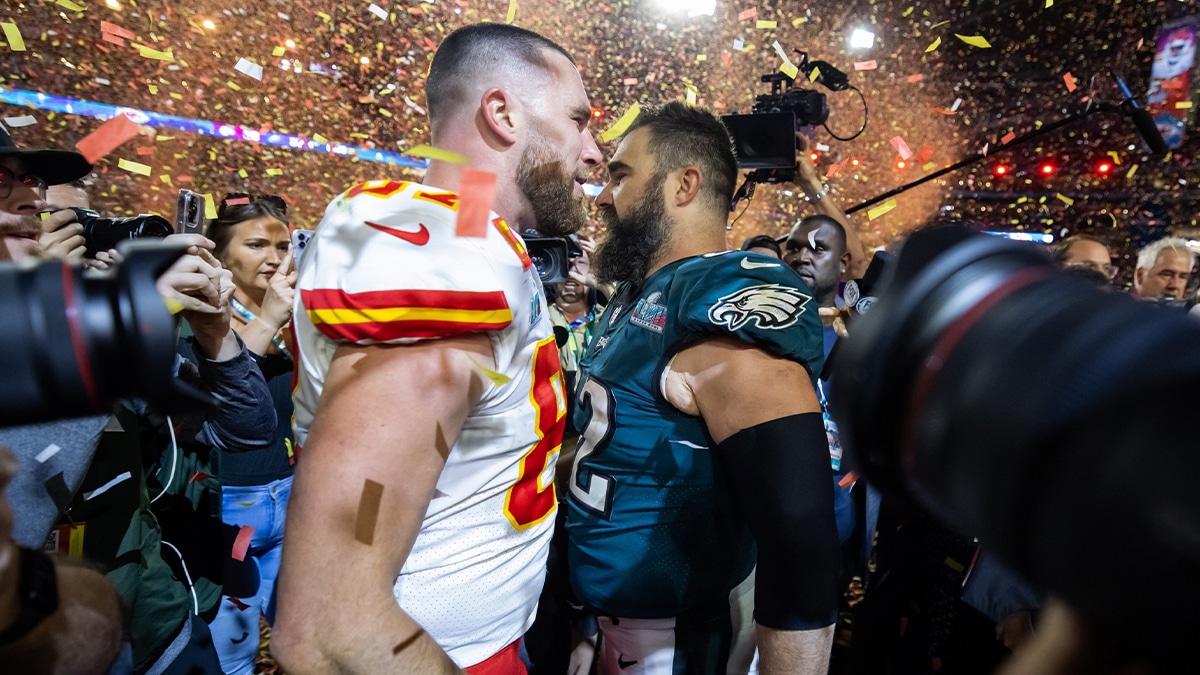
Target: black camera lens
[
  {"x": 1046, "y": 416},
  {"x": 102, "y": 234},
  {"x": 550, "y": 256},
  {"x": 74, "y": 345}
]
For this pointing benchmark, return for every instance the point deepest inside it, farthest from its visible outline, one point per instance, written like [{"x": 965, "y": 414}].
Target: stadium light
[
  {"x": 862, "y": 39},
  {"x": 691, "y": 7}
]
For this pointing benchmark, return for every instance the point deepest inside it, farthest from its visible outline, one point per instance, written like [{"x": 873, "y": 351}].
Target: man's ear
[
  {"x": 687, "y": 186},
  {"x": 1139, "y": 276},
  {"x": 499, "y": 116}
]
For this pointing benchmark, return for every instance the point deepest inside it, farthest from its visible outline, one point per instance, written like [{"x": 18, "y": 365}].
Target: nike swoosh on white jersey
[{"x": 747, "y": 265}]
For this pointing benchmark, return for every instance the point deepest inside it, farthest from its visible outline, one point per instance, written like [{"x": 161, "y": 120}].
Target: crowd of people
[{"x": 412, "y": 371}]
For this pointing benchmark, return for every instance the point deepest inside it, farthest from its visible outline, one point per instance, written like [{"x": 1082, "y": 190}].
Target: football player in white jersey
[{"x": 423, "y": 501}]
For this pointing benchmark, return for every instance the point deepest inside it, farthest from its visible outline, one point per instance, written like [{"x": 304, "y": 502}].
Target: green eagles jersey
[{"x": 652, "y": 527}]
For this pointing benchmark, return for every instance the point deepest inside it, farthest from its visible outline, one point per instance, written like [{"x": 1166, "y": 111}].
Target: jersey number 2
[
  {"x": 528, "y": 502},
  {"x": 594, "y": 492}
]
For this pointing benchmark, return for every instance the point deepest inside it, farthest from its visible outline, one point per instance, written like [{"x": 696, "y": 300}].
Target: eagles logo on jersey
[{"x": 769, "y": 306}]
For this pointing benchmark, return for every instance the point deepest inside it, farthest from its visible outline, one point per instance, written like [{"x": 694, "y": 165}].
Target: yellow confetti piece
[
  {"x": 1064, "y": 199},
  {"x": 320, "y": 139},
  {"x": 938, "y": 24},
  {"x": 13, "y": 36},
  {"x": 437, "y": 153},
  {"x": 1132, "y": 170},
  {"x": 816, "y": 72},
  {"x": 67, "y": 4},
  {"x": 161, "y": 138},
  {"x": 243, "y": 174},
  {"x": 881, "y": 209},
  {"x": 210, "y": 207},
  {"x": 148, "y": 53},
  {"x": 324, "y": 17},
  {"x": 974, "y": 40},
  {"x": 766, "y": 24},
  {"x": 789, "y": 69},
  {"x": 274, "y": 172},
  {"x": 512, "y": 11},
  {"x": 1049, "y": 4},
  {"x": 622, "y": 124},
  {"x": 165, "y": 178},
  {"x": 1115, "y": 155},
  {"x": 177, "y": 96},
  {"x": 796, "y": 22},
  {"x": 153, "y": 88},
  {"x": 498, "y": 379},
  {"x": 1183, "y": 105},
  {"x": 929, "y": 166},
  {"x": 908, "y": 11},
  {"x": 279, "y": 51},
  {"x": 173, "y": 305},
  {"x": 936, "y": 43},
  {"x": 133, "y": 167}
]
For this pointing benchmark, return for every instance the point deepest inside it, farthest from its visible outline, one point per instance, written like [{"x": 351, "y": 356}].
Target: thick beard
[
  {"x": 550, "y": 188},
  {"x": 633, "y": 243}
]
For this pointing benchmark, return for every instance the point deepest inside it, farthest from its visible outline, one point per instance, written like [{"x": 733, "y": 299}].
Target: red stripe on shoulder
[
  {"x": 335, "y": 298},
  {"x": 390, "y": 331}
]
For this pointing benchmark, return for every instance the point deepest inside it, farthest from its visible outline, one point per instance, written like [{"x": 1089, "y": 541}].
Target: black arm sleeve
[
  {"x": 780, "y": 475},
  {"x": 244, "y": 418}
]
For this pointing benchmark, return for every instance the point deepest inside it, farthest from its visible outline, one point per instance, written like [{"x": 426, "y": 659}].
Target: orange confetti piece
[
  {"x": 107, "y": 138},
  {"x": 1008, "y": 138},
  {"x": 915, "y": 78},
  {"x": 1069, "y": 80},
  {"x": 866, "y": 65},
  {"x": 748, "y": 14},
  {"x": 477, "y": 192}
]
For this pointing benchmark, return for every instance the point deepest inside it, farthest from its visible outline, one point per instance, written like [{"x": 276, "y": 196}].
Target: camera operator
[
  {"x": 817, "y": 193},
  {"x": 1163, "y": 269}
]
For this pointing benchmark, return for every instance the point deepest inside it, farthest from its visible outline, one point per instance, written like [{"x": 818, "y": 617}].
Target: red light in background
[
  {"x": 1000, "y": 170},
  {"x": 1104, "y": 168},
  {"x": 854, "y": 162},
  {"x": 901, "y": 164},
  {"x": 597, "y": 113},
  {"x": 814, "y": 156},
  {"x": 1047, "y": 169}
]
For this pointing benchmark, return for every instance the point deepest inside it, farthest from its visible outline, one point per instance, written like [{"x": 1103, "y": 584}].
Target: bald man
[{"x": 430, "y": 407}]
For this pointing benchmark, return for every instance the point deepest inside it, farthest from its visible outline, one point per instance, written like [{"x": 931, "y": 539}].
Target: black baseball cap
[{"x": 53, "y": 166}]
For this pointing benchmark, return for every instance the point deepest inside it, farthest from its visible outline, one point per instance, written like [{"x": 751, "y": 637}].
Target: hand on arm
[
  {"x": 203, "y": 288},
  {"x": 276, "y": 309},
  {"x": 374, "y": 423},
  {"x": 735, "y": 387},
  {"x": 819, "y": 197}
]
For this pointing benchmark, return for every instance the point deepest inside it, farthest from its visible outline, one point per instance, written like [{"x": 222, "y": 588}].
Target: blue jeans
[{"x": 263, "y": 507}]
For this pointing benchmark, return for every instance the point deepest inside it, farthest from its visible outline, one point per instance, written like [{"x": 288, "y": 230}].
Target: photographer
[{"x": 109, "y": 522}]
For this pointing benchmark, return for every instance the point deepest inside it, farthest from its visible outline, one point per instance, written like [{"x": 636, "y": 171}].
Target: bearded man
[
  {"x": 430, "y": 408},
  {"x": 700, "y": 515}
]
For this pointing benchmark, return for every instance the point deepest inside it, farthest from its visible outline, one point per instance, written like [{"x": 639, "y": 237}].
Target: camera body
[
  {"x": 551, "y": 256},
  {"x": 765, "y": 140},
  {"x": 102, "y": 234}
]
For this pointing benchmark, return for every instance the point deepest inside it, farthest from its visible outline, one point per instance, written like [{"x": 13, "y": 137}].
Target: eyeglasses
[
  {"x": 8, "y": 179},
  {"x": 244, "y": 198}
]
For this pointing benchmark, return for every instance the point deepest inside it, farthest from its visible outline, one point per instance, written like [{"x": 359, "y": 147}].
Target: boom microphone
[{"x": 1144, "y": 122}]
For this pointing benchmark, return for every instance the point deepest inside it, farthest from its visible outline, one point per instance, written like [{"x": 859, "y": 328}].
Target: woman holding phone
[{"x": 253, "y": 242}]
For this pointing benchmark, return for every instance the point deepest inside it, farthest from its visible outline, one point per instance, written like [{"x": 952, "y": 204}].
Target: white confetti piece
[
  {"x": 957, "y": 102},
  {"x": 22, "y": 121},
  {"x": 87, "y": 496},
  {"x": 821, "y": 147},
  {"x": 738, "y": 44},
  {"x": 46, "y": 454},
  {"x": 378, "y": 11},
  {"x": 249, "y": 68},
  {"x": 412, "y": 104}
]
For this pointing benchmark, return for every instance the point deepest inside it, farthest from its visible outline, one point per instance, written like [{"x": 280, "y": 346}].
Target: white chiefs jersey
[{"x": 385, "y": 266}]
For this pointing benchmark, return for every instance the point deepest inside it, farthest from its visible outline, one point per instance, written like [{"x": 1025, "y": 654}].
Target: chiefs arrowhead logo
[{"x": 420, "y": 237}]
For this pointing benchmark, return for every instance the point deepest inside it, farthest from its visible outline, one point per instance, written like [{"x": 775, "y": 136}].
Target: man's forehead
[
  {"x": 631, "y": 149},
  {"x": 1173, "y": 257}
]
